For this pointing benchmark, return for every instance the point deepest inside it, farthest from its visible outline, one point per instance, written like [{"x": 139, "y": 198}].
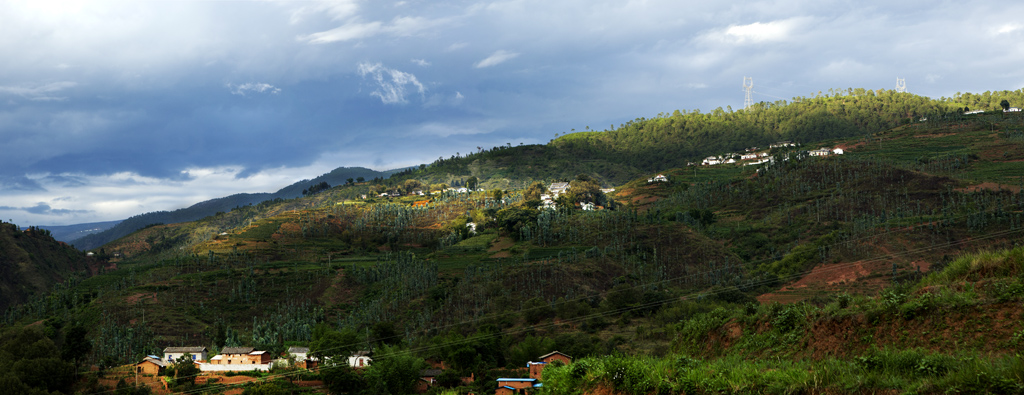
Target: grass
[{"x": 881, "y": 370}]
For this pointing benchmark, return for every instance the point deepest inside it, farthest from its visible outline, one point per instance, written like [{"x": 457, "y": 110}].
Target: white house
[
  {"x": 360, "y": 359},
  {"x": 1012, "y": 109},
  {"x": 588, "y": 206},
  {"x": 711, "y": 161},
  {"x": 974, "y": 112},
  {"x": 819, "y": 152},
  {"x": 749, "y": 156},
  {"x": 782, "y": 144},
  {"x": 837, "y": 151},
  {"x": 558, "y": 188},
  {"x": 172, "y": 354},
  {"x": 658, "y": 178},
  {"x": 298, "y": 353}
]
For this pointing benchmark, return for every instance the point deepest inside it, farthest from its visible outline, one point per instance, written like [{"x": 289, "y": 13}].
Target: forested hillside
[
  {"x": 802, "y": 265},
  {"x": 644, "y": 145},
  {"x": 31, "y": 262},
  {"x": 210, "y": 207}
]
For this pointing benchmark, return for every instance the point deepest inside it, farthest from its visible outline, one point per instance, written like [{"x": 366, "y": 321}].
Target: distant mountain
[
  {"x": 67, "y": 233},
  {"x": 31, "y": 261},
  {"x": 210, "y": 207}
]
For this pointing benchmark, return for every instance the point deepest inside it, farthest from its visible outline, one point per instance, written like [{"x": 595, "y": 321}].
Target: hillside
[
  {"x": 645, "y": 145},
  {"x": 210, "y": 207},
  {"x": 956, "y": 330},
  {"x": 69, "y": 233},
  {"x": 31, "y": 262},
  {"x": 799, "y": 260}
]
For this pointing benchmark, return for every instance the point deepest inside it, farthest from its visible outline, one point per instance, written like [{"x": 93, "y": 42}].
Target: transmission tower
[
  {"x": 901, "y": 85},
  {"x": 748, "y": 87}
]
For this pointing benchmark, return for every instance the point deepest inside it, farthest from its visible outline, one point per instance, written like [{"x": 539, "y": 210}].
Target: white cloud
[
  {"x": 445, "y": 129},
  {"x": 349, "y": 31},
  {"x": 391, "y": 83},
  {"x": 757, "y": 32},
  {"x": 336, "y": 9},
  {"x": 40, "y": 92},
  {"x": 257, "y": 87},
  {"x": 498, "y": 57},
  {"x": 1008, "y": 28},
  {"x": 456, "y": 47},
  {"x": 401, "y": 26},
  {"x": 421, "y": 62}
]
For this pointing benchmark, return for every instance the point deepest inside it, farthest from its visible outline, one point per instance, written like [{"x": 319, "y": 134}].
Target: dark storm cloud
[{"x": 129, "y": 99}]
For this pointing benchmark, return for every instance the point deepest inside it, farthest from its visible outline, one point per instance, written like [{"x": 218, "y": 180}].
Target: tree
[
  {"x": 350, "y": 181},
  {"x": 395, "y": 371},
  {"x": 1005, "y": 104},
  {"x": 471, "y": 183},
  {"x": 534, "y": 191},
  {"x": 185, "y": 371},
  {"x": 511, "y": 219},
  {"x": 384, "y": 332},
  {"x": 329, "y": 344},
  {"x": 360, "y": 179},
  {"x": 76, "y": 347},
  {"x": 342, "y": 379}
]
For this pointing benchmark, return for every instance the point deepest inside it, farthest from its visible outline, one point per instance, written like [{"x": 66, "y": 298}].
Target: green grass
[{"x": 262, "y": 230}]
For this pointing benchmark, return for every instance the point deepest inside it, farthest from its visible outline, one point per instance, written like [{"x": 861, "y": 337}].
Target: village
[
  {"x": 756, "y": 156},
  {"x": 233, "y": 360}
]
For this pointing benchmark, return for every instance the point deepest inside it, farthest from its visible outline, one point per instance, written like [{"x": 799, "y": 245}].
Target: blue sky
[{"x": 111, "y": 109}]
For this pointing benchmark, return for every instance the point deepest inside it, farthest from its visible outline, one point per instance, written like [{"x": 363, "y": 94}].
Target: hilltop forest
[{"x": 894, "y": 267}]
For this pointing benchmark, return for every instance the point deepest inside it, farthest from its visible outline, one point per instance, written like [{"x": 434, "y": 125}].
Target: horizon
[{"x": 114, "y": 109}]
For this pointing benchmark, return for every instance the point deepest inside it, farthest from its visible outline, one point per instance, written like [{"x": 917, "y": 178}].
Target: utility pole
[{"x": 748, "y": 87}]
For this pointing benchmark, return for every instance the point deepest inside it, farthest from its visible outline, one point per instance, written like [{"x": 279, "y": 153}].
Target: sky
[{"x": 112, "y": 109}]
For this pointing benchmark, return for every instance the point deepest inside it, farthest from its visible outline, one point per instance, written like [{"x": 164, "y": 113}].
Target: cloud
[
  {"x": 44, "y": 209},
  {"x": 421, "y": 62},
  {"x": 391, "y": 83},
  {"x": 755, "y": 33},
  {"x": 498, "y": 57},
  {"x": 455, "y": 47},
  {"x": 1008, "y": 28},
  {"x": 19, "y": 183},
  {"x": 257, "y": 87},
  {"x": 336, "y": 9},
  {"x": 40, "y": 92},
  {"x": 462, "y": 128},
  {"x": 400, "y": 26},
  {"x": 349, "y": 31}
]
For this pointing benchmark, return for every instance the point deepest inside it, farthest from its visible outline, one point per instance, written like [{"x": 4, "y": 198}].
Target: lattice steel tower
[
  {"x": 901, "y": 85},
  {"x": 748, "y": 87}
]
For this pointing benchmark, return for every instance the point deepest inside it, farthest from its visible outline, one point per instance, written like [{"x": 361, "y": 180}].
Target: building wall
[
  {"x": 242, "y": 359},
  {"x": 174, "y": 356},
  {"x": 557, "y": 357},
  {"x": 517, "y": 384},
  {"x": 148, "y": 368},
  {"x": 212, "y": 367},
  {"x": 536, "y": 369}
]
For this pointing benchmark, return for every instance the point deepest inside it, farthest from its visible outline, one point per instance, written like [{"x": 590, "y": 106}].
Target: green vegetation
[{"x": 750, "y": 279}]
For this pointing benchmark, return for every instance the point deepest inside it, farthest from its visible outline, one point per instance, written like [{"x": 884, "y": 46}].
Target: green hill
[
  {"x": 797, "y": 261},
  {"x": 210, "y": 207},
  {"x": 32, "y": 261}
]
